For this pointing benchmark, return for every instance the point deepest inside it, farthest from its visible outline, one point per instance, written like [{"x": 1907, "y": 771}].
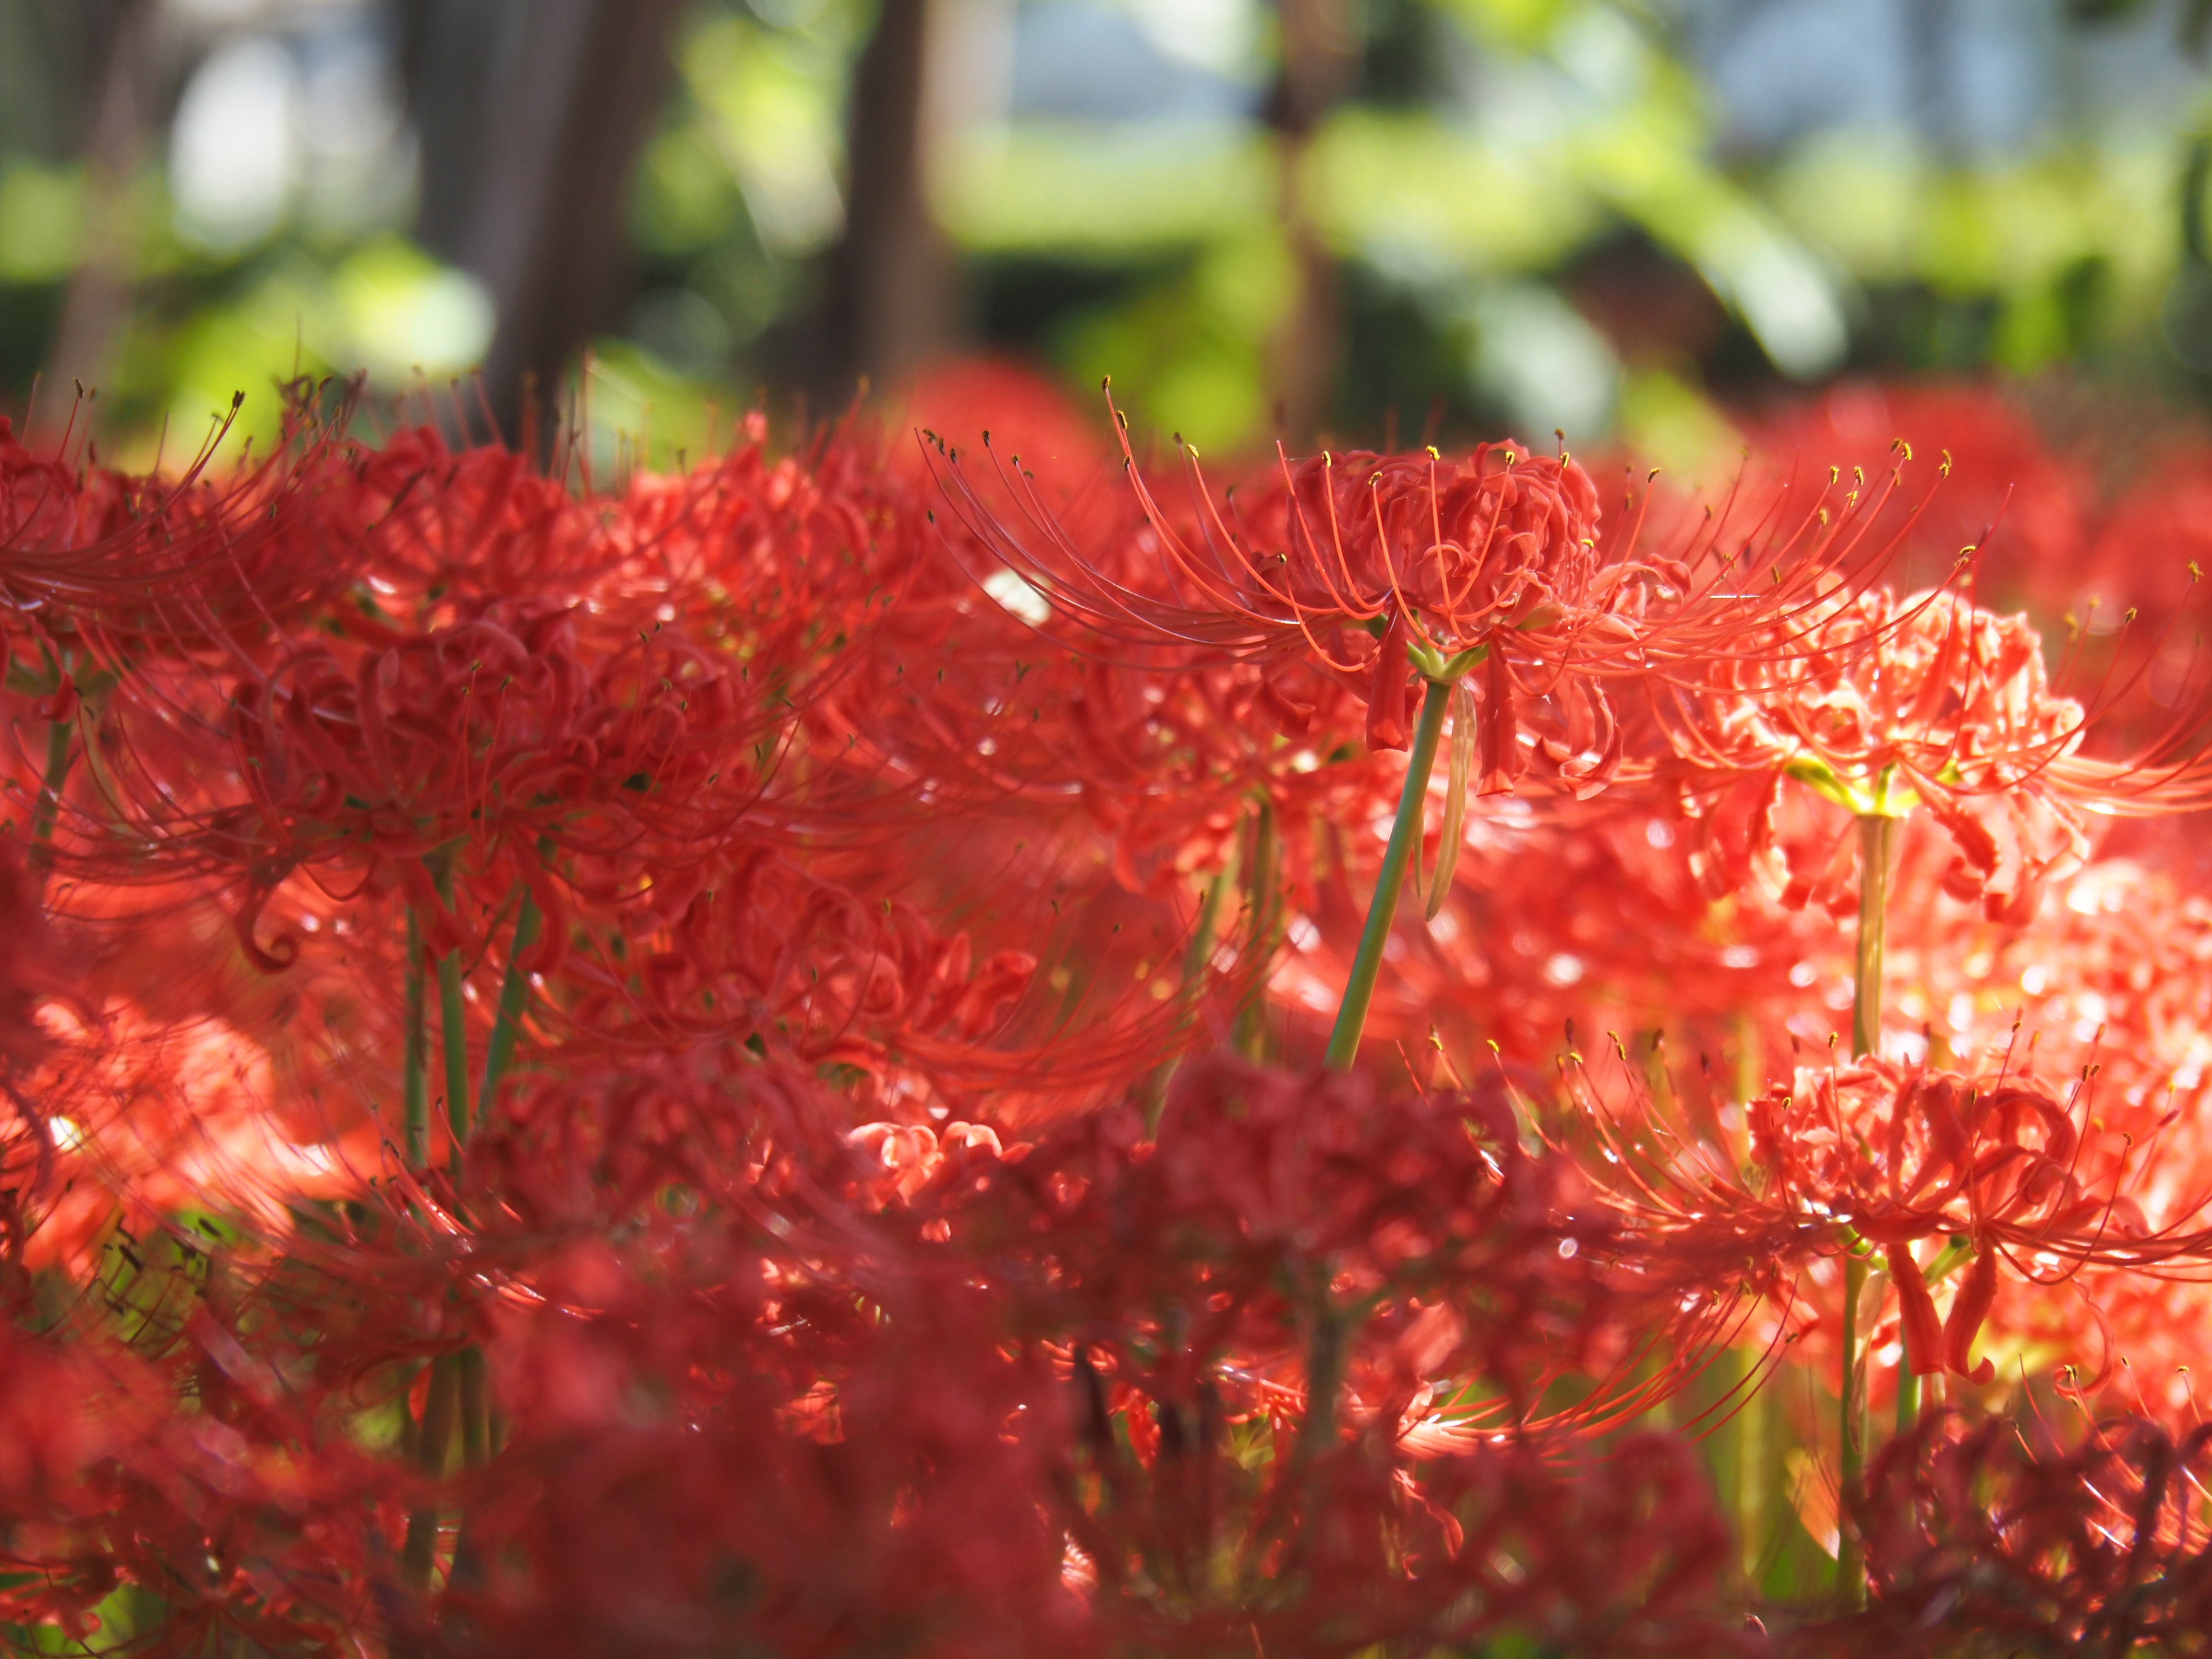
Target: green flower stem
[
  {"x": 431, "y": 1448},
  {"x": 476, "y": 1409},
  {"x": 476, "y": 1452},
  {"x": 1390, "y": 880},
  {"x": 514, "y": 991},
  {"x": 1877, "y": 839},
  {"x": 452, "y": 1026},
  {"x": 1264, "y": 904},
  {"x": 415, "y": 1080},
  {"x": 1333, "y": 1330},
  {"x": 1753, "y": 1469},
  {"x": 1908, "y": 1386},
  {"x": 1850, "y": 1555},
  {"x": 1203, "y": 934},
  {"x": 59, "y": 752}
]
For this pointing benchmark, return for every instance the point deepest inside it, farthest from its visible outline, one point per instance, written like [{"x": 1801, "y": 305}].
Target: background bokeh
[{"x": 1331, "y": 219}]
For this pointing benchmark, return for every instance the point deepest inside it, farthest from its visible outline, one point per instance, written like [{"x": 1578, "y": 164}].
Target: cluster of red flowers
[{"x": 829, "y": 1055}]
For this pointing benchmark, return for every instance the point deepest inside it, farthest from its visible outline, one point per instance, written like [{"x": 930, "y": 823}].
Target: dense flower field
[{"x": 873, "y": 1048}]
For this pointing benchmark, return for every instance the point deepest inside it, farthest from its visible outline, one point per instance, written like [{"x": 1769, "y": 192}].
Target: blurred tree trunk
[
  {"x": 532, "y": 114},
  {"x": 1321, "y": 59},
  {"x": 894, "y": 289},
  {"x": 98, "y": 301}
]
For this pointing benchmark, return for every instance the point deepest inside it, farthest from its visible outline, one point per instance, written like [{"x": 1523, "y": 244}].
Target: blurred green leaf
[
  {"x": 41, "y": 221},
  {"x": 1107, "y": 192}
]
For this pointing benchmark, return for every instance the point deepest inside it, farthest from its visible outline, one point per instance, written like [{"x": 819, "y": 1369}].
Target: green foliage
[{"x": 1484, "y": 153}]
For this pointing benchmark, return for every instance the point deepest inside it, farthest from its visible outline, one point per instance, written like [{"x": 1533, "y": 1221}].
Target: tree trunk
[
  {"x": 98, "y": 301},
  {"x": 532, "y": 197},
  {"x": 894, "y": 284},
  {"x": 1320, "y": 60}
]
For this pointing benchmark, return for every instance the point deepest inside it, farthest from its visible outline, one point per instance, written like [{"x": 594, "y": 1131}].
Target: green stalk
[
  {"x": 476, "y": 1409},
  {"x": 416, "y": 1053},
  {"x": 1908, "y": 1386},
  {"x": 1751, "y": 1473},
  {"x": 1195, "y": 959},
  {"x": 514, "y": 991},
  {"x": 431, "y": 1448},
  {"x": 1333, "y": 1331},
  {"x": 1264, "y": 902},
  {"x": 59, "y": 752},
  {"x": 452, "y": 1025},
  {"x": 1389, "y": 881},
  {"x": 476, "y": 1452},
  {"x": 1851, "y": 1557},
  {"x": 1877, "y": 838}
]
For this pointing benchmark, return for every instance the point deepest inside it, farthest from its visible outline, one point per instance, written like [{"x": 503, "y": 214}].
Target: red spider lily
[
  {"x": 1041, "y": 763},
  {"x": 752, "y": 544},
  {"x": 1251, "y": 1312},
  {"x": 1274, "y": 1208},
  {"x": 496, "y": 737},
  {"x": 780, "y": 957},
  {"x": 373, "y": 738},
  {"x": 857, "y": 1243},
  {"x": 1500, "y": 560},
  {"x": 1879, "y": 1157},
  {"x": 1451, "y": 553},
  {"x": 1881, "y": 704},
  {"x": 2098, "y": 1547},
  {"x": 820, "y": 1445},
  {"x": 127, "y": 565}
]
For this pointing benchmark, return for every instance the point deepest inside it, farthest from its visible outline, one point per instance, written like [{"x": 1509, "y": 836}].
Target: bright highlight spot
[{"x": 1018, "y": 597}]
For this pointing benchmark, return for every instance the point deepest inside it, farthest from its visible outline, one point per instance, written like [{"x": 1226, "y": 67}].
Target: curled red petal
[
  {"x": 1976, "y": 1296},
  {"x": 1924, "y": 1330},
  {"x": 1386, "y": 700}
]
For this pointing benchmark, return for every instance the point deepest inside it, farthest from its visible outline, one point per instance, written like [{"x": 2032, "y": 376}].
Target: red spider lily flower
[
  {"x": 143, "y": 1120},
  {"x": 1257, "y": 1198},
  {"x": 778, "y": 957},
  {"x": 1269, "y": 1277},
  {"x": 818, "y": 1445},
  {"x": 583, "y": 729},
  {"x": 1881, "y": 704},
  {"x": 1377, "y": 568},
  {"x": 768, "y": 548},
  {"x": 1880, "y": 1157},
  {"x": 1449, "y": 553},
  {"x": 497, "y": 745},
  {"x": 2095, "y": 1547},
  {"x": 125, "y": 565}
]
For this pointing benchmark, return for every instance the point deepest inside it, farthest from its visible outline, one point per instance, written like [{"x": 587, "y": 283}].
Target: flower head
[
  {"x": 1881, "y": 704},
  {"x": 1383, "y": 570},
  {"x": 1875, "y": 1160}
]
